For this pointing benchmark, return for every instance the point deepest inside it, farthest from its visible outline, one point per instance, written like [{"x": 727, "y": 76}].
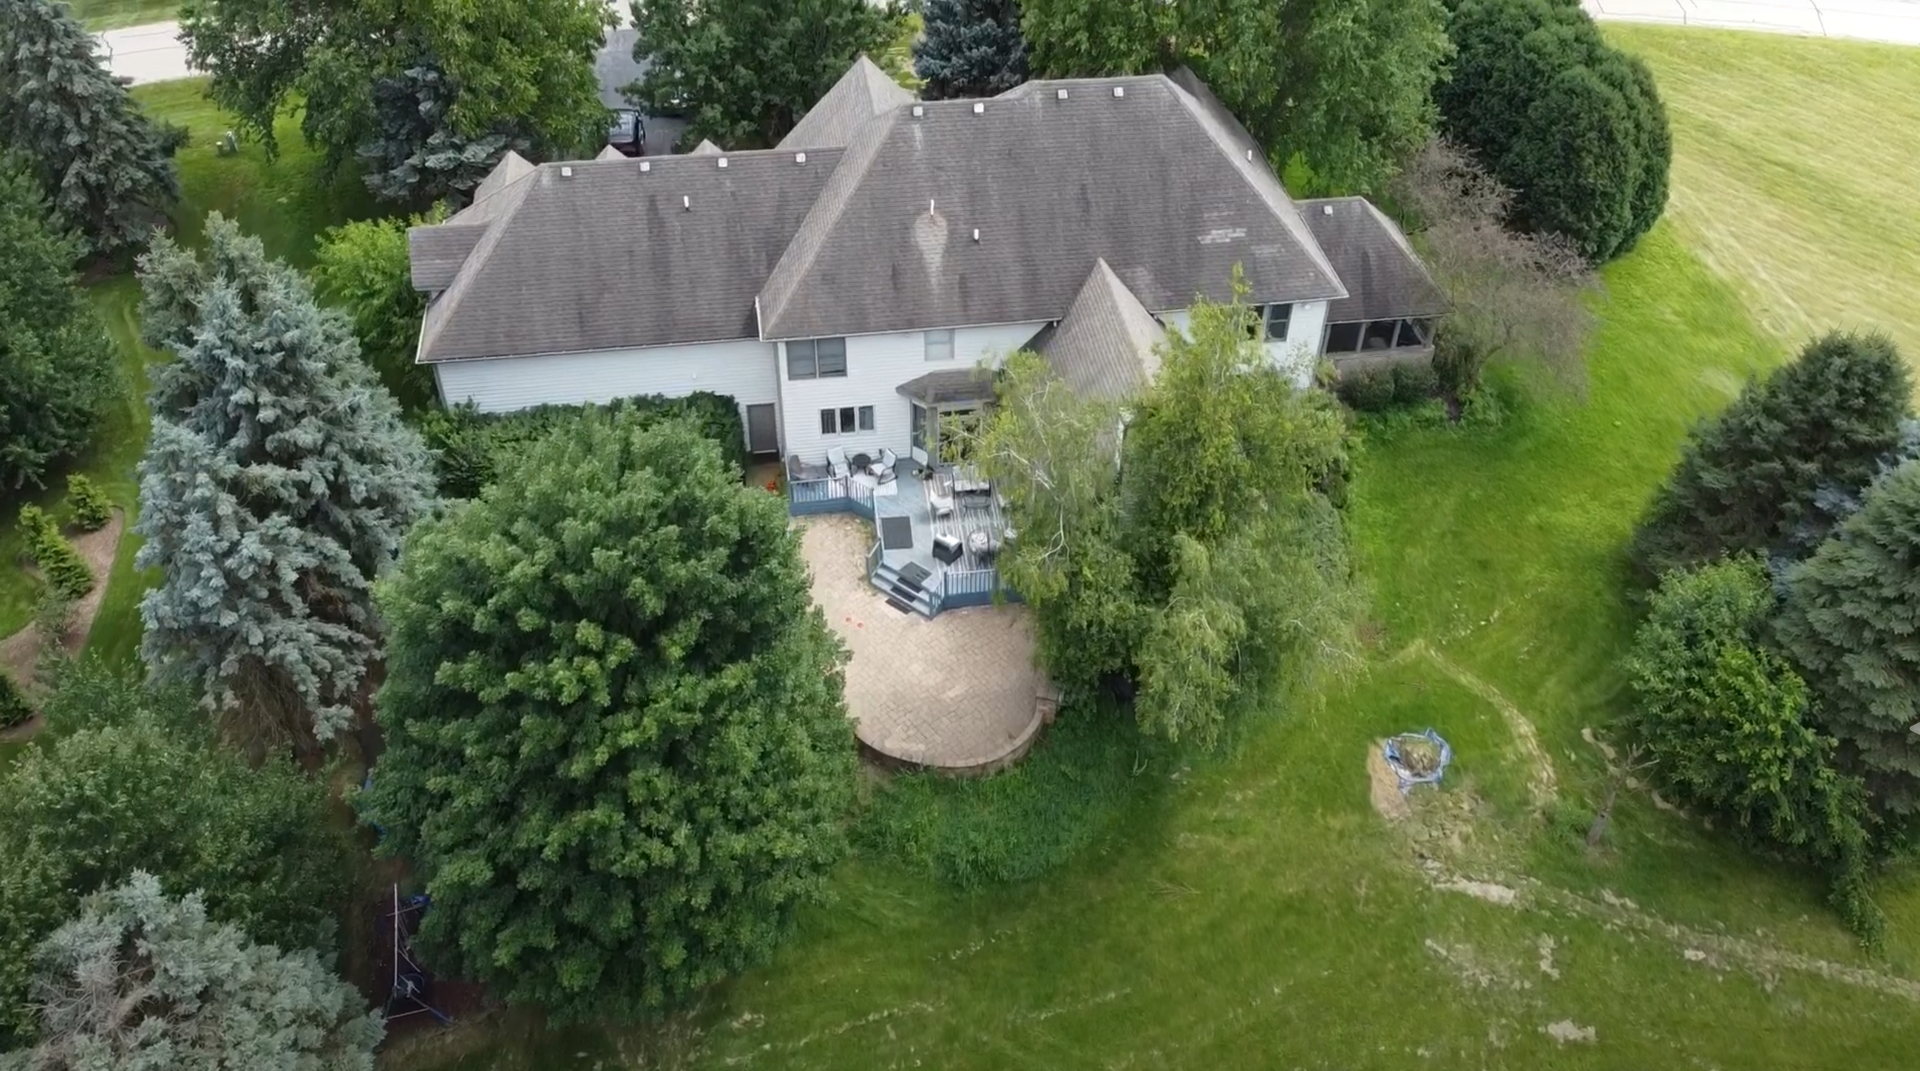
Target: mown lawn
[
  {"x": 286, "y": 202},
  {"x": 1795, "y": 172},
  {"x": 112, "y": 14}
]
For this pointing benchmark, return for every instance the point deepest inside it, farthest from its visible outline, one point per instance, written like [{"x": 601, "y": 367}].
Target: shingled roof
[
  {"x": 1385, "y": 279},
  {"x": 862, "y": 93},
  {"x": 615, "y": 254},
  {"x": 983, "y": 212},
  {"x": 1106, "y": 345}
]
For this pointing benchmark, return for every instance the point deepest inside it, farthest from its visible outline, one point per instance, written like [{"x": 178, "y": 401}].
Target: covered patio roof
[{"x": 951, "y": 387}]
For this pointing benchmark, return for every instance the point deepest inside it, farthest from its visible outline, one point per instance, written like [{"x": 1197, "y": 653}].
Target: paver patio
[{"x": 957, "y": 692}]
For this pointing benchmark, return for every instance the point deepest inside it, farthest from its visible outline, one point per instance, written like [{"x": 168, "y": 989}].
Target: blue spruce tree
[{"x": 972, "y": 48}]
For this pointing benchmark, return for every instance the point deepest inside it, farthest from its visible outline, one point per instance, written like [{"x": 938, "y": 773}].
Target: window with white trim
[
  {"x": 940, "y": 345},
  {"x": 817, "y": 358},
  {"x": 846, "y": 420}
]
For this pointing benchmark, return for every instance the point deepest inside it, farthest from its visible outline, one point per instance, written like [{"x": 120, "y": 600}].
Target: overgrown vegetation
[
  {"x": 364, "y": 268},
  {"x": 14, "y": 706},
  {"x": 617, "y": 749},
  {"x": 87, "y": 504},
  {"x": 1573, "y": 126},
  {"x": 471, "y": 448}
]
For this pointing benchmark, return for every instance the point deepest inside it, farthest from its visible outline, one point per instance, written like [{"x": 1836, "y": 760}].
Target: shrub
[
  {"x": 14, "y": 707},
  {"x": 1414, "y": 383},
  {"x": 1752, "y": 478},
  {"x": 470, "y": 446},
  {"x": 1368, "y": 391},
  {"x": 1574, "y": 126},
  {"x": 66, "y": 573},
  {"x": 1729, "y": 724},
  {"x": 87, "y": 504}
]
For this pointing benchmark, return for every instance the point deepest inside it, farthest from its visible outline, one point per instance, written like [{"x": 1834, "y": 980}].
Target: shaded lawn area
[
  {"x": 1796, "y": 172},
  {"x": 112, "y": 14},
  {"x": 1254, "y": 912},
  {"x": 286, "y": 203}
]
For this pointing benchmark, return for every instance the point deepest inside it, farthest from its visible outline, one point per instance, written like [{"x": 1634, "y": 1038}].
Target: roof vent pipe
[
  {"x": 1060, "y": 94},
  {"x": 1326, "y": 210},
  {"x": 566, "y": 172},
  {"x": 919, "y": 110},
  {"x": 646, "y": 165},
  {"x": 723, "y": 161},
  {"x": 799, "y": 158},
  {"x": 976, "y": 234},
  {"x": 686, "y": 202},
  {"x": 1119, "y": 91},
  {"x": 979, "y": 107},
  {"x": 1249, "y": 155}
]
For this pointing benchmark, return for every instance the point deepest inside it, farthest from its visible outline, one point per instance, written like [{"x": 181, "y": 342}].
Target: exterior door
[
  {"x": 763, "y": 436},
  {"x": 922, "y": 428}
]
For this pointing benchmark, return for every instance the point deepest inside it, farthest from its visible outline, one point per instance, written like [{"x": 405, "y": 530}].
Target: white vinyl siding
[
  {"x": 876, "y": 367},
  {"x": 1306, "y": 329},
  {"x": 745, "y": 369}
]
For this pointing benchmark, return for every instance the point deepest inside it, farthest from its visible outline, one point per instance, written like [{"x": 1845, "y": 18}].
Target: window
[
  {"x": 940, "y": 345},
  {"x": 1379, "y": 335},
  {"x": 817, "y": 358},
  {"x": 1343, "y": 338},
  {"x": 1278, "y": 318},
  {"x": 846, "y": 420},
  {"x": 1416, "y": 332}
]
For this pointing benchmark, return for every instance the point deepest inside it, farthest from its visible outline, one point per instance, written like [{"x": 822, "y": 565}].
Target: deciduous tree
[
  {"x": 1345, "y": 85},
  {"x": 971, "y": 48},
  {"x": 1514, "y": 295},
  {"x": 134, "y": 781},
  {"x": 1575, "y": 127},
  {"x": 1851, "y": 615},
  {"x": 142, "y": 980},
  {"x": 107, "y": 169},
  {"x": 617, "y": 748},
  {"x": 278, "y": 482},
  {"x": 364, "y": 268},
  {"x": 1751, "y": 478},
  {"x": 747, "y": 70},
  {"x": 56, "y": 362}
]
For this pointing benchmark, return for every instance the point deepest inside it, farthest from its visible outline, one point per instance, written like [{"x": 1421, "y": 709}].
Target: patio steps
[{"x": 902, "y": 595}]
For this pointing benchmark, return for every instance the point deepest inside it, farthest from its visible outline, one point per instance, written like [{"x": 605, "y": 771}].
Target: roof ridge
[{"x": 815, "y": 227}]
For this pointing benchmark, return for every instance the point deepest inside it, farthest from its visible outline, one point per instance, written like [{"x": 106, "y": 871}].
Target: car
[{"x": 627, "y": 132}]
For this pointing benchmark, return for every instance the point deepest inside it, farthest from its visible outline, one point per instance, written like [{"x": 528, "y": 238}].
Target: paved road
[{"x": 1895, "y": 21}]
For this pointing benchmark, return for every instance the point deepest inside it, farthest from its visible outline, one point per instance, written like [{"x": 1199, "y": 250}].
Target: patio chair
[
  {"x": 939, "y": 499},
  {"x": 837, "y": 462},
  {"x": 888, "y": 459}
]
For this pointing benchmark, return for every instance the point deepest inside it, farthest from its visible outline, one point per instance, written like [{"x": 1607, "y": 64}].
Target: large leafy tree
[
  {"x": 143, "y": 980},
  {"x": 1571, "y": 124},
  {"x": 747, "y": 70},
  {"x": 1729, "y": 725},
  {"x": 1209, "y": 571},
  {"x": 364, "y": 268},
  {"x": 278, "y": 483},
  {"x": 426, "y": 90},
  {"x": 1850, "y": 621},
  {"x": 617, "y": 748},
  {"x": 1345, "y": 85},
  {"x": 107, "y": 169},
  {"x": 1751, "y": 479},
  {"x": 134, "y": 781},
  {"x": 56, "y": 362},
  {"x": 971, "y": 48}
]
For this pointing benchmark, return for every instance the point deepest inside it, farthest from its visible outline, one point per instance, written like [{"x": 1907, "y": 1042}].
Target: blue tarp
[{"x": 1407, "y": 777}]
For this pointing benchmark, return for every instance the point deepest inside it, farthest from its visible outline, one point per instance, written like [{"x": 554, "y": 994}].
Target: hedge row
[{"x": 469, "y": 445}]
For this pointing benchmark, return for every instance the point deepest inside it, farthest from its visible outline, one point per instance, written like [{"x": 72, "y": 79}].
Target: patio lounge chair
[
  {"x": 837, "y": 462},
  {"x": 939, "y": 499},
  {"x": 888, "y": 459}
]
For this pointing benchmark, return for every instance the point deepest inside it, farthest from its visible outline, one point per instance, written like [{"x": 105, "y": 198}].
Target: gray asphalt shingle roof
[
  {"x": 1105, "y": 346},
  {"x": 1385, "y": 278},
  {"x": 610, "y": 257},
  {"x": 863, "y": 92},
  {"x": 1151, "y": 181}
]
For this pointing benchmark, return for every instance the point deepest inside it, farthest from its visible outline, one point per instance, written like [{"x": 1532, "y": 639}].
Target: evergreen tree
[
  {"x": 971, "y": 48},
  {"x": 616, "y": 744},
  {"x": 1749, "y": 480},
  {"x": 135, "y": 780},
  {"x": 1850, "y": 621},
  {"x": 415, "y": 155},
  {"x": 1575, "y": 127},
  {"x": 141, "y": 980},
  {"x": 56, "y": 363},
  {"x": 107, "y": 168},
  {"x": 277, "y": 484}
]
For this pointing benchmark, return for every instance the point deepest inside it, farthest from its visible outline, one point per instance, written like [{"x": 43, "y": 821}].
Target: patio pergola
[{"x": 945, "y": 404}]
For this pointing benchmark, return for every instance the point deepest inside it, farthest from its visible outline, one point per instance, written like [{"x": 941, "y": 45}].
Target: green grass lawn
[
  {"x": 1256, "y": 913},
  {"x": 1794, "y": 172},
  {"x": 112, "y": 14},
  {"x": 286, "y": 202}
]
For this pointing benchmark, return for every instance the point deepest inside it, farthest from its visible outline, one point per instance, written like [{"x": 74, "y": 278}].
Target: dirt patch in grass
[
  {"x": 20, "y": 651},
  {"x": 1383, "y": 787}
]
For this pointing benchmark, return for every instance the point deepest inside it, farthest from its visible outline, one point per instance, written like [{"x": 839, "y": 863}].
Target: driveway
[{"x": 1893, "y": 21}]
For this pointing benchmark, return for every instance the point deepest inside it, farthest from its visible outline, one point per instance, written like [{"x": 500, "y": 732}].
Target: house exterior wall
[
  {"x": 1306, "y": 335},
  {"x": 745, "y": 369},
  {"x": 876, "y": 367}
]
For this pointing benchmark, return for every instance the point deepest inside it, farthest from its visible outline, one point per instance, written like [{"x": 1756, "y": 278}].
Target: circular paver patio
[{"x": 959, "y": 692}]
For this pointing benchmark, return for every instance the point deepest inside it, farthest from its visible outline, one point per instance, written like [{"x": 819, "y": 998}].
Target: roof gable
[
  {"x": 1385, "y": 278},
  {"x": 1107, "y": 345},
  {"x": 978, "y": 212},
  {"x": 862, "y": 93}
]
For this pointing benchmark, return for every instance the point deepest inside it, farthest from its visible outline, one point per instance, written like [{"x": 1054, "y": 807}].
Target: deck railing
[
  {"x": 968, "y": 587},
  {"x": 873, "y": 558},
  {"x": 829, "y": 494}
]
